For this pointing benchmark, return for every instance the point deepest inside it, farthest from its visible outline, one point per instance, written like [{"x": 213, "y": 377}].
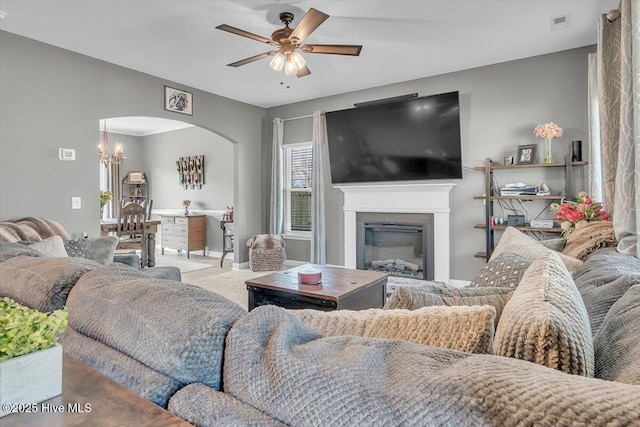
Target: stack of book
[{"x": 519, "y": 191}]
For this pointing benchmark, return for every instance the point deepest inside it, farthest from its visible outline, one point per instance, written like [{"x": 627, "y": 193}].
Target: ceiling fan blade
[
  {"x": 251, "y": 59},
  {"x": 333, "y": 49},
  {"x": 243, "y": 33},
  {"x": 304, "y": 71},
  {"x": 309, "y": 22}
]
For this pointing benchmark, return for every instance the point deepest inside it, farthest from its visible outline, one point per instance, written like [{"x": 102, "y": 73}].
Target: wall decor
[
  {"x": 191, "y": 171},
  {"x": 508, "y": 160},
  {"x": 178, "y": 101},
  {"x": 526, "y": 154},
  {"x": 135, "y": 177}
]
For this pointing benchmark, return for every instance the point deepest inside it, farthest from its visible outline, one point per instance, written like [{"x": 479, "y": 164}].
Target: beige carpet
[{"x": 230, "y": 284}]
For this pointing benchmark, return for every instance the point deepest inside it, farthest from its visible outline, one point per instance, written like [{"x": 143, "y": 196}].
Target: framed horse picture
[{"x": 178, "y": 101}]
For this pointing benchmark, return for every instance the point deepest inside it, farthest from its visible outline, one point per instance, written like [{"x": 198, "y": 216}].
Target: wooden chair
[
  {"x": 145, "y": 203},
  {"x": 132, "y": 230}
]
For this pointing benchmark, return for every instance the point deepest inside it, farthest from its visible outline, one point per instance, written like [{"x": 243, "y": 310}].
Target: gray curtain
[
  {"x": 115, "y": 185},
  {"x": 318, "y": 230},
  {"x": 276, "y": 225},
  {"x": 595, "y": 169},
  {"x": 618, "y": 69}
]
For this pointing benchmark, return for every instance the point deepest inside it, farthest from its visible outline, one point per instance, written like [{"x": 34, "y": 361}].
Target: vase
[
  {"x": 548, "y": 157},
  {"x": 29, "y": 379}
]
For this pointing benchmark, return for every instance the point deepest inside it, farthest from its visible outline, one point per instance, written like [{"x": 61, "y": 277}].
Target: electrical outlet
[{"x": 76, "y": 203}]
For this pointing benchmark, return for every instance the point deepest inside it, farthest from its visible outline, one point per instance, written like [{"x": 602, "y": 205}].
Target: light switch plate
[
  {"x": 76, "y": 203},
  {"x": 67, "y": 154}
]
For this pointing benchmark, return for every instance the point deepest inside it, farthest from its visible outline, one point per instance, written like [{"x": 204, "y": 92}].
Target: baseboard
[
  {"x": 239, "y": 266},
  {"x": 453, "y": 283},
  {"x": 209, "y": 253}
]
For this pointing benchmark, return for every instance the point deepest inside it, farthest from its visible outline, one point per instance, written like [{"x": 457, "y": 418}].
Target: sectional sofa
[{"x": 552, "y": 342}]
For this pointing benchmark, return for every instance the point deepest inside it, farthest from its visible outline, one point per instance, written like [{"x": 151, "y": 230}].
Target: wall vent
[{"x": 559, "y": 22}]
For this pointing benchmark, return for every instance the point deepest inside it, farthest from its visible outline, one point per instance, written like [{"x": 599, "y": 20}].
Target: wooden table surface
[
  {"x": 337, "y": 282},
  {"x": 105, "y": 403}
]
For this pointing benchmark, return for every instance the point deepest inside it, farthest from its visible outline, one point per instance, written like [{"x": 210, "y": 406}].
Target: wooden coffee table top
[
  {"x": 337, "y": 282},
  {"x": 110, "y": 404}
]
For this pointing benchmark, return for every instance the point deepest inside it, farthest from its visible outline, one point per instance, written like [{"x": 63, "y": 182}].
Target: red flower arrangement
[{"x": 576, "y": 214}]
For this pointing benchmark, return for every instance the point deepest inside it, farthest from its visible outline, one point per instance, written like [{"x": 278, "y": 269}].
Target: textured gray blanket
[{"x": 277, "y": 365}]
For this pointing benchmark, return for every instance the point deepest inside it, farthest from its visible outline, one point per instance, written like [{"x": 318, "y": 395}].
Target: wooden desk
[
  {"x": 111, "y": 226},
  {"x": 340, "y": 289},
  {"x": 102, "y": 402}
]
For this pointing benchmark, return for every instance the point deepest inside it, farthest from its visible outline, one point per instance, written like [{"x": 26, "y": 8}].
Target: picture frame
[
  {"x": 135, "y": 177},
  {"x": 178, "y": 101},
  {"x": 527, "y": 154},
  {"x": 508, "y": 160}
]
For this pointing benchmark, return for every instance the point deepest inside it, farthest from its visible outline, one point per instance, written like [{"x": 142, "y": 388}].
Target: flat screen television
[{"x": 415, "y": 139}]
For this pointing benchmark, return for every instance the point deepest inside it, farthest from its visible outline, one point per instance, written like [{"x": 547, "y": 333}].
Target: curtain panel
[
  {"x": 618, "y": 69},
  {"x": 276, "y": 224},
  {"x": 319, "y": 158}
]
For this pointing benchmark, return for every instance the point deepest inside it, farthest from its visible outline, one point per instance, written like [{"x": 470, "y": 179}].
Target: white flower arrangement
[{"x": 548, "y": 130}]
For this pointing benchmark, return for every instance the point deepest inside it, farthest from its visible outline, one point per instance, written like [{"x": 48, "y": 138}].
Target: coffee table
[
  {"x": 90, "y": 399},
  {"x": 341, "y": 288}
]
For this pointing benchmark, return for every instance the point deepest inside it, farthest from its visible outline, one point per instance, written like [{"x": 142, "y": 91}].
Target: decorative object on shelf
[
  {"x": 576, "y": 214},
  {"x": 548, "y": 131},
  {"x": 105, "y": 196},
  {"x": 576, "y": 151},
  {"x": 526, "y": 154},
  {"x": 508, "y": 160},
  {"x": 30, "y": 360},
  {"x": 106, "y": 156},
  {"x": 136, "y": 177},
  {"x": 186, "y": 203},
  {"x": 228, "y": 214},
  {"x": 191, "y": 171},
  {"x": 178, "y": 101}
]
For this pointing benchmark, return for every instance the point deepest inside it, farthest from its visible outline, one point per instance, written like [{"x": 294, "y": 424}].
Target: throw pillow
[
  {"x": 98, "y": 249},
  {"x": 557, "y": 244},
  {"x": 546, "y": 322},
  {"x": 603, "y": 280},
  {"x": 468, "y": 329},
  {"x": 418, "y": 296},
  {"x": 617, "y": 344},
  {"x": 51, "y": 246},
  {"x": 516, "y": 242},
  {"x": 592, "y": 236},
  {"x": 504, "y": 271}
]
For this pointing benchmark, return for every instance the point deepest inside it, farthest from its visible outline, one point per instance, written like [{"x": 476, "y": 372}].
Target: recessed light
[{"x": 3, "y": 14}]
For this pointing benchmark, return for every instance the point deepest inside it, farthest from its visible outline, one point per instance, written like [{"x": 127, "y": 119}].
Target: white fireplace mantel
[{"x": 401, "y": 198}]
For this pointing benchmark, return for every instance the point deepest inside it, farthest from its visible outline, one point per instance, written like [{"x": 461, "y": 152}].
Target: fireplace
[
  {"x": 398, "y": 248},
  {"x": 401, "y": 199}
]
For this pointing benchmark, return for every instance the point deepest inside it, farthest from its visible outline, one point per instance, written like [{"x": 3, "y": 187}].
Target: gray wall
[
  {"x": 52, "y": 98},
  {"x": 160, "y": 153},
  {"x": 500, "y": 105}
]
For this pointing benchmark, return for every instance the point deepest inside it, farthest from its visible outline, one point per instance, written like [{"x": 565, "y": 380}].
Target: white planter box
[{"x": 31, "y": 378}]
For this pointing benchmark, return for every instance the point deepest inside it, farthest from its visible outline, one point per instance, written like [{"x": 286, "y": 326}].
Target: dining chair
[
  {"x": 144, "y": 202},
  {"x": 132, "y": 229}
]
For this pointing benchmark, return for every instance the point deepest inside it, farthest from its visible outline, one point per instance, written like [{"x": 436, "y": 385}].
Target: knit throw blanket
[
  {"x": 31, "y": 229},
  {"x": 279, "y": 366}
]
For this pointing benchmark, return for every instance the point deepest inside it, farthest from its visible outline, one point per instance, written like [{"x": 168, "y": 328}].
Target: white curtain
[
  {"x": 318, "y": 230},
  {"x": 618, "y": 70},
  {"x": 276, "y": 225}
]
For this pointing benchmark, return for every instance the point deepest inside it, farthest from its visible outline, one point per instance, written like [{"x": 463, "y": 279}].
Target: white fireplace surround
[{"x": 401, "y": 198}]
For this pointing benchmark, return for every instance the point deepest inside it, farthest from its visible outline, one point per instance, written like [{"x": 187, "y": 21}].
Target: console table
[
  {"x": 90, "y": 399},
  {"x": 184, "y": 232}
]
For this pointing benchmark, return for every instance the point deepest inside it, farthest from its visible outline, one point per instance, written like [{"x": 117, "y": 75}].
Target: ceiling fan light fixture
[
  {"x": 289, "y": 66},
  {"x": 298, "y": 60},
  {"x": 277, "y": 62}
]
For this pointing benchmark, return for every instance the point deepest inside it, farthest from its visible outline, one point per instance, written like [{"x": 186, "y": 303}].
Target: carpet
[
  {"x": 185, "y": 265},
  {"x": 230, "y": 285}
]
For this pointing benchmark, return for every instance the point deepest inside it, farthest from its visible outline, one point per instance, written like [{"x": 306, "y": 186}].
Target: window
[{"x": 297, "y": 187}]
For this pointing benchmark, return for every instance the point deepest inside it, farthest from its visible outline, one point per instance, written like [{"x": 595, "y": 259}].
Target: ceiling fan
[{"x": 288, "y": 40}]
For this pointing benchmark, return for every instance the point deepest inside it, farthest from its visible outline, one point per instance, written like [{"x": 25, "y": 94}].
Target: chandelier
[{"x": 106, "y": 156}]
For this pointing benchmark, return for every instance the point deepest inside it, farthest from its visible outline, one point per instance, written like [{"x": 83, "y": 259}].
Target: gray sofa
[{"x": 210, "y": 362}]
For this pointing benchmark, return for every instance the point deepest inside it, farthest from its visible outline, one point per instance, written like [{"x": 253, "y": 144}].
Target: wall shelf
[
  {"x": 527, "y": 197},
  {"x": 522, "y": 228},
  {"x": 534, "y": 165}
]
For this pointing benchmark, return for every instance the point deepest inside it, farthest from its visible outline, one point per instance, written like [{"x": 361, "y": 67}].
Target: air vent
[{"x": 559, "y": 22}]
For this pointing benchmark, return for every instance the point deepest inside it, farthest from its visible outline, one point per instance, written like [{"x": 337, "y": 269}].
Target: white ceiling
[
  {"x": 141, "y": 126},
  {"x": 403, "y": 40}
]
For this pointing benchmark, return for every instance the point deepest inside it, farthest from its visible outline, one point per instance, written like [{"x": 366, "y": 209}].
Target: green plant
[
  {"x": 24, "y": 330},
  {"x": 105, "y": 196}
]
